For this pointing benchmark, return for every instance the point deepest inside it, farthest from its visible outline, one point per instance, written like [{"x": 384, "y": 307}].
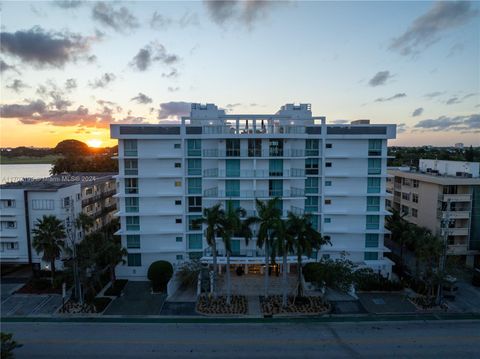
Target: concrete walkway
[
  {"x": 253, "y": 284},
  {"x": 254, "y": 307}
]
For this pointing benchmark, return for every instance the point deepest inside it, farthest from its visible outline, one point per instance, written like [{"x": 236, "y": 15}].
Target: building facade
[
  {"x": 23, "y": 203},
  {"x": 169, "y": 173},
  {"x": 443, "y": 196}
]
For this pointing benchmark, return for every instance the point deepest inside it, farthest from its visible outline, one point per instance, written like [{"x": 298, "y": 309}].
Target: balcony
[
  {"x": 269, "y": 129},
  {"x": 97, "y": 197},
  {"x": 457, "y": 249},
  {"x": 456, "y": 215},
  {"x": 253, "y": 153},
  {"x": 457, "y": 197},
  {"x": 455, "y": 231},
  {"x": 216, "y": 193},
  {"x": 216, "y": 173}
]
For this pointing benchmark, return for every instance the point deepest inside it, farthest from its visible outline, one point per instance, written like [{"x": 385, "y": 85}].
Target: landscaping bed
[
  {"x": 210, "y": 306},
  {"x": 39, "y": 286},
  {"x": 98, "y": 305},
  {"x": 116, "y": 289},
  {"x": 305, "y": 305}
]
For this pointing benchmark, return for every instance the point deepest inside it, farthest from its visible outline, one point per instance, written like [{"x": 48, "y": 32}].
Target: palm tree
[
  {"x": 283, "y": 245},
  {"x": 305, "y": 240},
  {"x": 230, "y": 225},
  {"x": 401, "y": 233},
  {"x": 211, "y": 218},
  {"x": 83, "y": 222},
  {"x": 113, "y": 254},
  {"x": 49, "y": 239},
  {"x": 268, "y": 215}
]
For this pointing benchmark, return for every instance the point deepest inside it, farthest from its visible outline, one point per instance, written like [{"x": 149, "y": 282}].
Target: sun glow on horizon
[{"x": 95, "y": 143}]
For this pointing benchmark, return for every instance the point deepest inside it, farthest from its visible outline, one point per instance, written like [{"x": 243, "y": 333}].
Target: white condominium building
[{"x": 169, "y": 173}]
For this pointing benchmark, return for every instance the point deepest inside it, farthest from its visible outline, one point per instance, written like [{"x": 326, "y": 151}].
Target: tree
[
  {"x": 469, "y": 154},
  {"x": 49, "y": 239},
  {"x": 159, "y": 273},
  {"x": 401, "y": 233},
  {"x": 113, "y": 254},
  {"x": 268, "y": 215},
  {"x": 211, "y": 218},
  {"x": 305, "y": 240},
  {"x": 283, "y": 245},
  {"x": 8, "y": 345},
  {"x": 72, "y": 148}
]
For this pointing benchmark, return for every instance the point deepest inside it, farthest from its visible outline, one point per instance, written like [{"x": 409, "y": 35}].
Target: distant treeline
[
  {"x": 409, "y": 156},
  {"x": 28, "y": 152}
]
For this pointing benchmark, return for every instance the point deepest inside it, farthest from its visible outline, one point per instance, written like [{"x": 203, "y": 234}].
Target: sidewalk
[{"x": 254, "y": 308}]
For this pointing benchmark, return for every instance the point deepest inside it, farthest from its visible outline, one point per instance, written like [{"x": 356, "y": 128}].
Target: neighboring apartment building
[
  {"x": 64, "y": 196},
  {"x": 424, "y": 196},
  {"x": 169, "y": 173}
]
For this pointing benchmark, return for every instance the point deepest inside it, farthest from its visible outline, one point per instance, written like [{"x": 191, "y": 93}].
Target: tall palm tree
[
  {"x": 113, "y": 254},
  {"x": 283, "y": 243},
  {"x": 230, "y": 225},
  {"x": 305, "y": 240},
  {"x": 211, "y": 218},
  {"x": 401, "y": 233},
  {"x": 268, "y": 214},
  {"x": 49, "y": 239}
]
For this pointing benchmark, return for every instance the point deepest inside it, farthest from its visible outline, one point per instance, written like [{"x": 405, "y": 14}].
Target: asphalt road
[{"x": 439, "y": 339}]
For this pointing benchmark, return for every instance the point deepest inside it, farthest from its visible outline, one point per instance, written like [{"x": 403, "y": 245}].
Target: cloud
[
  {"x": 131, "y": 119},
  {"x": 5, "y": 67},
  {"x": 469, "y": 95},
  {"x": 456, "y": 48},
  {"x": 121, "y": 20},
  {"x": 17, "y": 85},
  {"x": 173, "y": 89},
  {"x": 380, "y": 78},
  {"x": 174, "y": 109},
  {"x": 56, "y": 95},
  {"x": 103, "y": 81},
  {"x": 417, "y": 112},
  {"x": 445, "y": 123},
  {"x": 142, "y": 98},
  {"x": 68, "y": 4},
  {"x": 172, "y": 74},
  {"x": 401, "y": 128},
  {"x": 44, "y": 49},
  {"x": 243, "y": 12},
  {"x": 398, "y": 95},
  {"x": 426, "y": 29},
  {"x": 452, "y": 101},
  {"x": 20, "y": 110},
  {"x": 162, "y": 22},
  {"x": 434, "y": 94},
  {"x": 153, "y": 52},
  {"x": 70, "y": 84},
  {"x": 340, "y": 122}
]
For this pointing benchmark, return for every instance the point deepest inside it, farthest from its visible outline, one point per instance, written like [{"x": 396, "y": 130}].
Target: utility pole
[{"x": 443, "y": 258}]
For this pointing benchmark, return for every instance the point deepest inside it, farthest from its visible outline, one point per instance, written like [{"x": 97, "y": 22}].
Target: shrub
[
  {"x": 116, "y": 289},
  {"x": 101, "y": 303},
  {"x": 333, "y": 273},
  {"x": 8, "y": 345},
  {"x": 189, "y": 272},
  {"x": 159, "y": 273},
  {"x": 367, "y": 280}
]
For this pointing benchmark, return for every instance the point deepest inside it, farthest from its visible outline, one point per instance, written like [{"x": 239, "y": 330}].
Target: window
[
  {"x": 131, "y": 204},
  {"x": 88, "y": 191},
  {"x": 8, "y": 246},
  {"x": 276, "y": 148},
  {"x": 275, "y": 168},
  {"x": 414, "y": 198},
  {"x": 232, "y": 147},
  {"x": 194, "y": 147},
  {"x": 131, "y": 185},
  {"x": 414, "y": 212},
  {"x": 78, "y": 196},
  {"x": 8, "y": 203},
  {"x": 373, "y": 204},
  {"x": 328, "y": 145},
  {"x": 371, "y": 240},
  {"x": 311, "y": 166},
  {"x": 373, "y": 222},
  {"x": 232, "y": 188},
  {"x": 178, "y": 239},
  {"x": 374, "y": 147},
  {"x": 133, "y": 223},
  {"x": 254, "y": 147},
  {"x": 371, "y": 256},
  {"x": 311, "y": 147},
  {"x": 311, "y": 204},
  {"x": 42, "y": 204},
  {"x": 66, "y": 202},
  {"x": 195, "y": 241},
  {"x": 9, "y": 224},
  {"x": 179, "y": 257},
  {"x": 232, "y": 168},
  {"x": 178, "y": 183},
  {"x": 406, "y": 196},
  {"x": 194, "y": 204},
  {"x": 328, "y": 201},
  {"x": 177, "y": 145},
  {"x": 131, "y": 167},
  {"x": 193, "y": 223},
  {"x": 405, "y": 210},
  {"x": 178, "y": 202},
  {"x": 406, "y": 182},
  {"x": 194, "y": 185},
  {"x": 374, "y": 166},
  {"x": 311, "y": 185},
  {"x": 373, "y": 185},
  {"x": 178, "y": 220},
  {"x": 327, "y": 220},
  {"x": 328, "y": 183},
  {"x": 194, "y": 166},
  {"x": 415, "y": 183},
  {"x": 388, "y": 203},
  {"x": 275, "y": 188},
  {"x": 130, "y": 147},
  {"x": 134, "y": 260},
  {"x": 328, "y": 164},
  {"x": 133, "y": 241},
  {"x": 178, "y": 165}
]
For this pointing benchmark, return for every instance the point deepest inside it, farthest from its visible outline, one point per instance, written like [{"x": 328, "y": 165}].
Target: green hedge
[{"x": 159, "y": 273}]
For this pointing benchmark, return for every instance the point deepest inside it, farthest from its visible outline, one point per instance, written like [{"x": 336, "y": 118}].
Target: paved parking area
[
  {"x": 386, "y": 303},
  {"x": 467, "y": 298},
  {"x": 137, "y": 300},
  {"x": 30, "y": 304}
]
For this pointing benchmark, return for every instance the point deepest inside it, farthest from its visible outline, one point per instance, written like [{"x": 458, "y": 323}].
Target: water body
[{"x": 11, "y": 173}]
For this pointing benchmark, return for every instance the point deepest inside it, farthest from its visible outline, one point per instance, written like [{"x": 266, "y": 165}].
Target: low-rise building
[
  {"x": 23, "y": 203},
  {"x": 443, "y": 196}
]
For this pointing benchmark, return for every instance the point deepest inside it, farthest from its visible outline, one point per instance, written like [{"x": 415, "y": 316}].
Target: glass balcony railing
[
  {"x": 215, "y": 173},
  {"x": 216, "y": 193},
  {"x": 214, "y": 152}
]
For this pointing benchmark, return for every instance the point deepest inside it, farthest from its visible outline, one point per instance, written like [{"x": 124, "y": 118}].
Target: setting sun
[{"x": 94, "y": 143}]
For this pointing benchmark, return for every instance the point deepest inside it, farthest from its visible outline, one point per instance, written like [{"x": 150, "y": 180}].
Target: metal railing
[
  {"x": 215, "y": 172},
  {"x": 252, "y": 153},
  {"x": 216, "y": 193}
]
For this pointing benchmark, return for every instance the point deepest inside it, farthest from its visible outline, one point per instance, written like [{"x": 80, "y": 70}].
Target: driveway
[
  {"x": 137, "y": 300},
  {"x": 30, "y": 304},
  {"x": 467, "y": 298},
  {"x": 381, "y": 303}
]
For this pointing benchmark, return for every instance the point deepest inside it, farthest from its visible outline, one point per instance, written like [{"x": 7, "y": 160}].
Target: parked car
[{"x": 449, "y": 287}]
